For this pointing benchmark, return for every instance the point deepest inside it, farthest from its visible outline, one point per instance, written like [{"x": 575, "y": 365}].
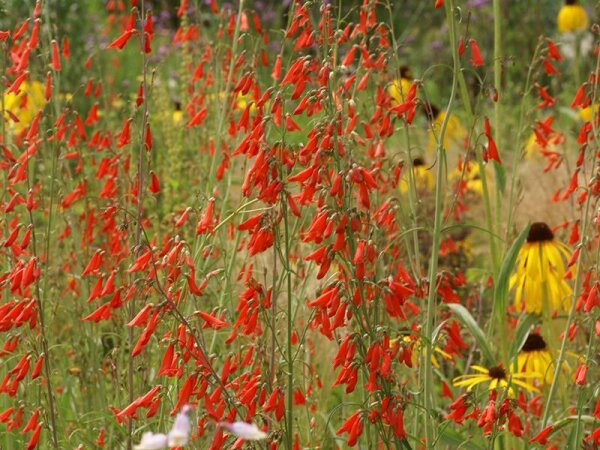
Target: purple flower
[{"x": 477, "y": 3}]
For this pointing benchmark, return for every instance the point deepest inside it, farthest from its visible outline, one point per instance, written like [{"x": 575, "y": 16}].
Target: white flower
[
  {"x": 152, "y": 441},
  {"x": 569, "y": 43},
  {"x": 177, "y": 437},
  {"x": 243, "y": 430},
  {"x": 180, "y": 433}
]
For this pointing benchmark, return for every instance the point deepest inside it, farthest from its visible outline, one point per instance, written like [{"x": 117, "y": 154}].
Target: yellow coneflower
[
  {"x": 535, "y": 357},
  {"x": 572, "y": 17},
  {"x": 26, "y": 104},
  {"x": 539, "y": 272},
  {"x": 177, "y": 115},
  {"x": 398, "y": 88},
  {"x": 496, "y": 377},
  {"x": 455, "y": 135},
  {"x": 423, "y": 177}
]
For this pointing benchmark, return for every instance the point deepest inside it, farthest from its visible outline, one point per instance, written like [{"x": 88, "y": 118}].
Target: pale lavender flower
[
  {"x": 243, "y": 430},
  {"x": 152, "y": 441},
  {"x": 180, "y": 433},
  {"x": 477, "y": 3},
  {"x": 177, "y": 437}
]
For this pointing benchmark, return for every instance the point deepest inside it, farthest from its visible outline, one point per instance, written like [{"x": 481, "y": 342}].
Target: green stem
[
  {"x": 138, "y": 226},
  {"x": 289, "y": 416},
  {"x": 429, "y": 401},
  {"x": 498, "y": 103},
  {"x": 464, "y": 94},
  {"x": 412, "y": 184},
  {"x": 226, "y": 101},
  {"x": 40, "y": 306}
]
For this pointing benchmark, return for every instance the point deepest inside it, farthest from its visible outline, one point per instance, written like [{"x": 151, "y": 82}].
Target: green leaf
[
  {"x": 501, "y": 284},
  {"x": 465, "y": 317},
  {"x": 476, "y": 275},
  {"x": 456, "y": 440},
  {"x": 526, "y": 322},
  {"x": 500, "y": 176},
  {"x": 567, "y": 420}
]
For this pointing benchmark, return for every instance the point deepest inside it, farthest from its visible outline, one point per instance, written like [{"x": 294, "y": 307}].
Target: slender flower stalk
[
  {"x": 139, "y": 213},
  {"x": 427, "y": 377},
  {"x": 499, "y": 98},
  {"x": 41, "y": 308},
  {"x": 464, "y": 95},
  {"x": 210, "y": 179}
]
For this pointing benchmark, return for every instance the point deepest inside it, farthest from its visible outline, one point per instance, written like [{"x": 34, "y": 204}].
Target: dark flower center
[
  {"x": 534, "y": 343},
  {"x": 539, "y": 232},
  {"x": 570, "y": 2},
  {"x": 497, "y": 373},
  {"x": 405, "y": 71},
  {"x": 431, "y": 110},
  {"x": 417, "y": 162}
]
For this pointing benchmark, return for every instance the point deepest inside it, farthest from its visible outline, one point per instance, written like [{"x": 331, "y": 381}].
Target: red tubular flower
[
  {"x": 550, "y": 69},
  {"x": 476, "y": 60},
  {"x": 32, "y": 423},
  {"x": 125, "y": 136},
  {"x": 542, "y": 437},
  {"x": 580, "y": 100},
  {"x": 120, "y": 42},
  {"x": 515, "y": 426},
  {"x": 206, "y": 224},
  {"x": 553, "y": 52},
  {"x": 154, "y": 183},
  {"x": 580, "y": 374},
  {"x": 212, "y": 321},
  {"x": 349, "y": 424},
  {"x": 593, "y": 298},
  {"x": 492, "y": 150},
  {"x": 55, "y": 56},
  {"x": 100, "y": 440},
  {"x": 35, "y": 437}
]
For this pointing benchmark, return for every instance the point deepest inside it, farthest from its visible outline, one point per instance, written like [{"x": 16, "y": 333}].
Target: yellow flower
[
  {"x": 423, "y": 177},
  {"x": 572, "y": 17},
  {"x": 177, "y": 117},
  {"x": 535, "y": 148},
  {"x": 418, "y": 348},
  {"x": 242, "y": 101},
  {"x": 587, "y": 113},
  {"x": 398, "y": 88},
  {"x": 471, "y": 176},
  {"x": 535, "y": 357},
  {"x": 496, "y": 377},
  {"x": 25, "y": 105},
  {"x": 455, "y": 135},
  {"x": 539, "y": 272}
]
